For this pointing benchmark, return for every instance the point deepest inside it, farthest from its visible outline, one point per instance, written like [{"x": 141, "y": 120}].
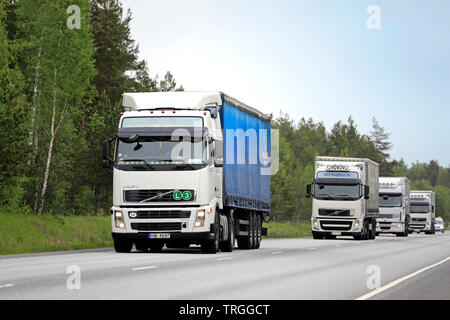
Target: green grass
[
  {"x": 277, "y": 229},
  {"x": 26, "y": 233}
]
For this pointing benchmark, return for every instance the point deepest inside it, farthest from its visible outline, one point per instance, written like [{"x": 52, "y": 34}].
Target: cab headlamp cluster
[
  {"x": 118, "y": 219},
  {"x": 200, "y": 218}
]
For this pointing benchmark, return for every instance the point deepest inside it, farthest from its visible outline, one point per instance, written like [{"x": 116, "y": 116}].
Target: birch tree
[{"x": 63, "y": 71}]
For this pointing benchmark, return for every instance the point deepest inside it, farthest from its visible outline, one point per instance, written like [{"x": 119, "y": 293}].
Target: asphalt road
[{"x": 282, "y": 269}]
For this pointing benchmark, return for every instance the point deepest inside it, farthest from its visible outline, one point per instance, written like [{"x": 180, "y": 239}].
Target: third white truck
[{"x": 423, "y": 207}]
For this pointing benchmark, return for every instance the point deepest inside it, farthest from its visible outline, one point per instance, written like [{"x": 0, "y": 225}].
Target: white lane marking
[
  {"x": 144, "y": 268},
  {"x": 339, "y": 245},
  {"x": 312, "y": 248},
  {"x": 9, "y": 285},
  {"x": 396, "y": 282},
  {"x": 223, "y": 259},
  {"x": 277, "y": 252}
]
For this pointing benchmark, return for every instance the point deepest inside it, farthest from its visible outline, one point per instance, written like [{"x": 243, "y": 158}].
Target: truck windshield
[
  {"x": 154, "y": 151},
  {"x": 390, "y": 200},
  {"x": 420, "y": 207},
  {"x": 337, "y": 192}
]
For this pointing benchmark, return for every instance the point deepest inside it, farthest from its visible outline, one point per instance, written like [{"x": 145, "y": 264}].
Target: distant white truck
[
  {"x": 345, "y": 198},
  {"x": 423, "y": 212},
  {"x": 394, "y": 206}
]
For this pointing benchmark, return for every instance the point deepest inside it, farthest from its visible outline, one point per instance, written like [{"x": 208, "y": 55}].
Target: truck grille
[
  {"x": 417, "y": 226},
  {"x": 336, "y": 213},
  {"x": 336, "y": 225},
  {"x": 163, "y": 226},
  {"x": 386, "y": 215},
  {"x": 385, "y": 225},
  {"x": 155, "y": 195},
  {"x": 419, "y": 219},
  {"x": 160, "y": 214}
]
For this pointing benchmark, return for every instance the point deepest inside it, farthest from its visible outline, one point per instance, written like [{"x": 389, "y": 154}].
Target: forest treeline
[
  {"x": 63, "y": 68},
  {"x": 61, "y": 81}
]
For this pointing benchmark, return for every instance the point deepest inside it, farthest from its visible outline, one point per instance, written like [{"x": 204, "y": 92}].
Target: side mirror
[
  {"x": 106, "y": 163},
  {"x": 366, "y": 192},
  {"x": 218, "y": 163},
  {"x": 308, "y": 191},
  {"x": 212, "y": 111}
]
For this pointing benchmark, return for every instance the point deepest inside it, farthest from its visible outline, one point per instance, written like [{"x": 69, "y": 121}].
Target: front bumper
[
  {"x": 390, "y": 227},
  {"x": 191, "y": 236},
  {"x": 344, "y": 226}
]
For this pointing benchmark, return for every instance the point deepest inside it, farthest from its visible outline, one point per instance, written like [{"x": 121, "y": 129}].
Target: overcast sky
[{"x": 313, "y": 59}]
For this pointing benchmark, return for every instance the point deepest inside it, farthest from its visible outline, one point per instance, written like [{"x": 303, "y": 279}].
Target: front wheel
[
  {"x": 228, "y": 245},
  {"x": 212, "y": 246},
  {"x": 123, "y": 246}
]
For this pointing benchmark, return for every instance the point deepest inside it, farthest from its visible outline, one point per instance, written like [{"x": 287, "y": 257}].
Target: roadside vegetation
[{"x": 28, "y": 233}]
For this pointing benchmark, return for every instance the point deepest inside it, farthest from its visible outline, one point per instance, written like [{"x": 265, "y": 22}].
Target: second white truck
[
  {"x": 345, "y": 198},
  {"x": 394, "y": 206}
]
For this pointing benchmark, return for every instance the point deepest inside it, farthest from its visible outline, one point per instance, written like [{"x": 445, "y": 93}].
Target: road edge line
[{"x": 398, "y": 281}]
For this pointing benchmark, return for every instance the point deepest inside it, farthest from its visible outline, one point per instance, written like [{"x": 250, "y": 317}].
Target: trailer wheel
[
  {"x": 212, "y": 246},
  {"x": 123, "y": 246},
  {"x": 258, "y": 230},
  {"x": 246, "y": 242}
]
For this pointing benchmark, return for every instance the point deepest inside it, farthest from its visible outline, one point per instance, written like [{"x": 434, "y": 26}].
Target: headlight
[
  {"x": 118, "y": 217},
  {"x": 315, "y": 223},
  {"x": 356, "y": 224},
  {"x": 200, "y": 219}
]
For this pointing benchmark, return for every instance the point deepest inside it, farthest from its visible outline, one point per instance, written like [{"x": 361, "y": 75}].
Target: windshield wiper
[{"x": 323, "y": 196}]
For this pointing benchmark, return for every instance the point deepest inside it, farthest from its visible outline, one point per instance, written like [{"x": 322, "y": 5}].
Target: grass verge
[
  {"x": 27, "y": 233},
  {"x": 277, "y": 229}
]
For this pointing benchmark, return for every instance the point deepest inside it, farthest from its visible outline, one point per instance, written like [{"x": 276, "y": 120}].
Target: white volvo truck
[
  {"x": 189, "y": 168},
  {"x": 394, "y": 206},
  {"x": 345, "y": 198},
  {"x": 423, "y": 207}
]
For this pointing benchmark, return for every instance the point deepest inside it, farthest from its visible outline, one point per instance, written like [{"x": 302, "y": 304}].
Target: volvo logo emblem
[{"x": 133, "y": 214}]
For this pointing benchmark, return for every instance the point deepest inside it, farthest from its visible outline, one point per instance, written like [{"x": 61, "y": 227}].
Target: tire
[
  {"x": 258, "y": 230},
  {"x": 228, "y": 245},
  {"x": 365, "y": 234},
  {"x": 245, "y": 242},
  {"x": 156, "y": 247},
  {"x": 123, "y": 246},
  {"x": 212, "y": 246}
]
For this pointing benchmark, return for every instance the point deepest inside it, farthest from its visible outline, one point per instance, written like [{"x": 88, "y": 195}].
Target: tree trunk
[{"x": 32, "y": 135}]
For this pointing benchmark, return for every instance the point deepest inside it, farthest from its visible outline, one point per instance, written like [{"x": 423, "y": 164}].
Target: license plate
[
  {"x": 385, "y": 230},
  {"x": 159, "y": 236},
  {"x": 336, "y": 233}
]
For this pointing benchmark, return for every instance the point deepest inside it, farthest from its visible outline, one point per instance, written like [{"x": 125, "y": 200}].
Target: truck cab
[{"x": 345, "y": 198}]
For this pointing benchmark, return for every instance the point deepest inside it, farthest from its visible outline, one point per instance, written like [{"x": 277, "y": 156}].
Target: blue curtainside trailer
[{"x": 247, "y": 154}]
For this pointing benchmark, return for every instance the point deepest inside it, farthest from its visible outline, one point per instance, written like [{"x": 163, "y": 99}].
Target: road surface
[{"x": 300, "y": 268}]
